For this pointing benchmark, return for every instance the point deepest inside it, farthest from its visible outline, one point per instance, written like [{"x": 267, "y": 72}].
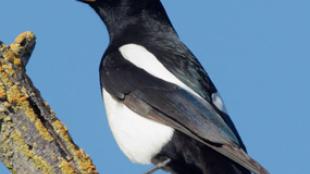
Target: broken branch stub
[{"x": 32, "y": 139}]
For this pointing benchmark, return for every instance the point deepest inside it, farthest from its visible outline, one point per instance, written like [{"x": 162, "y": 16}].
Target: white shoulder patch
[
  {"x": 218, "y": 102},
  {"x": 142, "y": 58}
]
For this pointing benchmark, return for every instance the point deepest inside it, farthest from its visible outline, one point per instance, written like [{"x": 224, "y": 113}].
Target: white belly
[{"x": 139, "y": 138}]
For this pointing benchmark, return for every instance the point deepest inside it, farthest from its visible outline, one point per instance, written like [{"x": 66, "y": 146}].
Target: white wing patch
[
  {"x": 142, "y": 58},
  {"x": 139, "y": 138},
  {"x": 218, "y": 102}
]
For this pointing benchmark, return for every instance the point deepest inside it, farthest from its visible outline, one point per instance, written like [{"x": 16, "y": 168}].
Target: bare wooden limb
[{"x": 32, "y": 139}]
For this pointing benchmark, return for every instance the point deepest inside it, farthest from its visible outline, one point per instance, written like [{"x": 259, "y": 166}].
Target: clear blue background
[{"x": 257, "y": 53}]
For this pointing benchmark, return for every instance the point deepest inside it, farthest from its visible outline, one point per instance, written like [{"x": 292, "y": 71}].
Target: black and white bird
[{"x": 161, "y": 105}]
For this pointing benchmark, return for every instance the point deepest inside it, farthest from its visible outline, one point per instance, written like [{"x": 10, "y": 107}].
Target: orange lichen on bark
[
  {"x": 66, "y": 167},
  {"x": 2, "y": 91},
  {"x": 84, "y": 162},
  {"x": 18, "y": 100}
]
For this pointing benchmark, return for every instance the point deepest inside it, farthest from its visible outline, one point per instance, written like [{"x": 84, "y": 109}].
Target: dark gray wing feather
[
  {"x": 192, "y": 116},
  {"x": 181, "y": 62},
  {"x": 194, "y": 113}
]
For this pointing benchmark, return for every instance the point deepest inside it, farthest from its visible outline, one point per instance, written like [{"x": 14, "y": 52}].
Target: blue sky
[{"x": 257, "y": 53}]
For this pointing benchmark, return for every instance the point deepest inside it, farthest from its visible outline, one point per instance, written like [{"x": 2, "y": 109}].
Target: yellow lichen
[
  {"x": 14, "y": 95},
  {"x": 19, "y": 101},
  {"x": 8, "y": 55},
  {"x": 37, "y": 122},
  {"x": 22, "y": 43},
  {"x": 28, "y": 35},
  {"x": 8, "y": 68},
  {"x": 17, "y": 62},
  {"x": 17, "y": 144},
  {"x": 66, "y": 168},
  {"x": 5, "y": 148},
  {"x": 17, "y": 96},
  {"x": 43, "y": 131},
  {"x": 23, "y": 148},
  {"x": 2, "y": 91},
  {"x": 4, "y": 76},
  {"x": 61, "y": 130},
  {"x": 59, "y": 127},
  {"x": 84, "y": 162}
]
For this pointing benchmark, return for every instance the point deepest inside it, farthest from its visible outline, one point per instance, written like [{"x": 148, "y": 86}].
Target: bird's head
[
  {"x": 115, "y": 3},
  {"x": 120, "y": 9},
  {"x": 124, "y": 9},
  {"x": 113, "y": 7},
  {"x": 119, "y": 14}
]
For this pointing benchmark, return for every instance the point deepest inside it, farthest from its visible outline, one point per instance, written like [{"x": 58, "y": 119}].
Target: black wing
[
  {"x": 180, "y": 61},
  {"x": 168, "y": 104},
  {"x": 181, "y": 110}
]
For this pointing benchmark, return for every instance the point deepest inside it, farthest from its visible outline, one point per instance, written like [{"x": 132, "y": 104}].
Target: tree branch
[{"x": 32, "y": 139}]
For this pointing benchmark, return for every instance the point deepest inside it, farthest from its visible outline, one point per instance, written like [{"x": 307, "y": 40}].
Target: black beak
[{"x": 87, "y": 1}]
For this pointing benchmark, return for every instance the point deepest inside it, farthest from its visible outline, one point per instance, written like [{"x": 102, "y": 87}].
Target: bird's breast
[{"x": 139, "y": 138}]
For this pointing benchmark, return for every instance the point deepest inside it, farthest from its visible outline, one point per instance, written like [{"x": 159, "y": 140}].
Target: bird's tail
[{"x": 240, "y": 157}]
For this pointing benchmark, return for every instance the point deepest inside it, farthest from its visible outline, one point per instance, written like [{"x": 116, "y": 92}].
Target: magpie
[{"x": 162, "y": 106}]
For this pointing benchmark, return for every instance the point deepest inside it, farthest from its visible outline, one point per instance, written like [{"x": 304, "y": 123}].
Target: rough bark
[{"x": 32, "y": 139}]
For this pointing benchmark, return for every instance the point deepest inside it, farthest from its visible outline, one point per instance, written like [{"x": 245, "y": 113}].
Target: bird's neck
[{"x": 130, "y": 24}]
